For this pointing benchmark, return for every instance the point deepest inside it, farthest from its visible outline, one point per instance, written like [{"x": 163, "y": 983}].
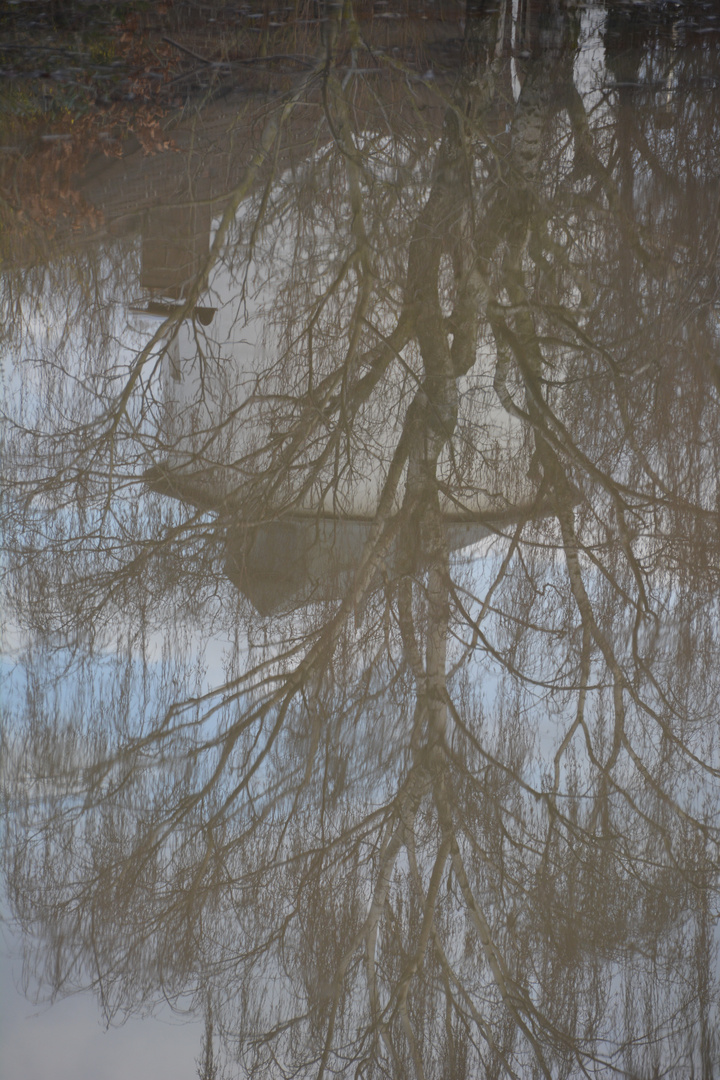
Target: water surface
[{"x": 361, "y": 562}]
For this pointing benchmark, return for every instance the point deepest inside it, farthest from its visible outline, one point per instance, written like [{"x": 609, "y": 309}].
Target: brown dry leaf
[
  {"x": 111, "y": 148},
  {"x": 152, "y": 138}
]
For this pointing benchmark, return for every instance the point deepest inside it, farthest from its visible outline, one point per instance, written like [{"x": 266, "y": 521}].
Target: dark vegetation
[
  {"x": 83, "y": 79},
  {"x": 79, "y": 80}
]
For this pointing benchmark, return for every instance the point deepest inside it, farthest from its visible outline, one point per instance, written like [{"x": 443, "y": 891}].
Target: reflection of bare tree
[{"x": 445, "y": 820}]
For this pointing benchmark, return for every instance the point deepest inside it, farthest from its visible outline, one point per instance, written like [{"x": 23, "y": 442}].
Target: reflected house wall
[
  {"x": 220, "y": 382},
  {"x": 225, "y": 369},
  {"x": 174, "y": 247},
  {"x": 312, "y": 551}
]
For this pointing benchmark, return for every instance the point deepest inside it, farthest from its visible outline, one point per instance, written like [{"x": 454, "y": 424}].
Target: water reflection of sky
[{"x": 68, "y": 1041}]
